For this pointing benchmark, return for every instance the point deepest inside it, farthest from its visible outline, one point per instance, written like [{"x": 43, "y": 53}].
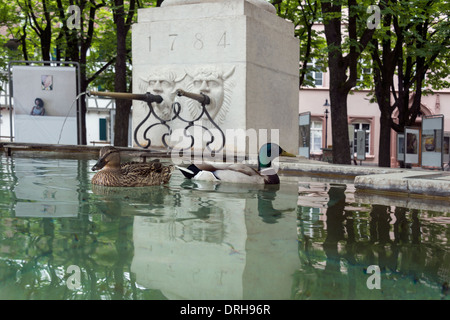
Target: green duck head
[{"x": 268, "y": 152}]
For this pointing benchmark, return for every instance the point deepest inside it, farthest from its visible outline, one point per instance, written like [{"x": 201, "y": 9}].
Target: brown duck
[{"x": 131, "y": 174}]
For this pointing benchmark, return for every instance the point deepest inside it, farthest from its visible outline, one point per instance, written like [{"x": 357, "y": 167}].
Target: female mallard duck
[
  {"x": 130, "y": 174},
  {"x": 240, "y": 173}
]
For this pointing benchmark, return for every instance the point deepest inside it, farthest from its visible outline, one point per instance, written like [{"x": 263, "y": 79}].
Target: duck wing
[
  {"x": 145, "y": 169},
  {"x": 242, "y": 168},
  {"x": 143, "y": 174},
  {"x": 238, "y": 173}
]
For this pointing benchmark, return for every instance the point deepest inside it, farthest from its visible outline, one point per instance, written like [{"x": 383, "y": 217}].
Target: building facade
[{"x": 362, "y": 114}]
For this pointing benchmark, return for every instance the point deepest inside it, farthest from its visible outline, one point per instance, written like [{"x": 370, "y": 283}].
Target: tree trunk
[
  {"x": 384, "y": 153},
  {"x": 382, "y": 92},
  {"x": 45, "y": 50},
  {"x": 383, "y": 73},
  {"x": 343, "y": 70},
  {"x": 339, "y": 125},
  {"x": 83, "y": 87},
  {"x": 123, "y": 107},
  {"x": 338, "y": 98}
]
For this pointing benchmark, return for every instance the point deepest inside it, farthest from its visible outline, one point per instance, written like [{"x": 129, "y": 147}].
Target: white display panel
[
  {"x": 401, "y": 147},
  {"x": 412, "y": 145},
  {"x": 432, "y": 141},
  {"x": 304, "y": 122},
  {"x": 55, "y": 87},
  {"x": 361, "y": 145}
]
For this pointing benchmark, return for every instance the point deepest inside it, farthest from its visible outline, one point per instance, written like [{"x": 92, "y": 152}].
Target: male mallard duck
[
  {"x": 130, "y": 174},
  {"x": 240, "y": 173}
]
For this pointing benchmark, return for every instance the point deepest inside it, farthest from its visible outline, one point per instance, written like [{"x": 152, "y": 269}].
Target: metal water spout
[
  {"x": 147, "y": 97},
  {"x": 199, "y": 97}
]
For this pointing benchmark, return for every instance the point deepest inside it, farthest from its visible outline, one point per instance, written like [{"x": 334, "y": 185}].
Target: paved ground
[{"x": 415, "y": 181}]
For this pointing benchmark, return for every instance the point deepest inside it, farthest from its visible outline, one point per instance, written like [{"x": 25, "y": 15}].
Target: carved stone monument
[{"x": 237, "y": 52}]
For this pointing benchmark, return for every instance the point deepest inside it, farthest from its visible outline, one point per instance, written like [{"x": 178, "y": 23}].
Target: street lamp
[{"x": 326, "y": 105}]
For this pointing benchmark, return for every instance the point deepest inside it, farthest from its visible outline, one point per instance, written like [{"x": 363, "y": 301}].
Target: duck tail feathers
[{"x": 190, "y": 171}]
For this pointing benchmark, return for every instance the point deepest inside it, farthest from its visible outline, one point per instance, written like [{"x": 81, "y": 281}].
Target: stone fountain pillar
[{"x": 237, "y": 52}]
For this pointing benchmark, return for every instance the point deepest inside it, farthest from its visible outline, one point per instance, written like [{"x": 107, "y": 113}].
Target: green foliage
[
  {"x": 422, "y": 27},
  {"x": 17, "y": 22},
  {"x": 304, "y": 15}
]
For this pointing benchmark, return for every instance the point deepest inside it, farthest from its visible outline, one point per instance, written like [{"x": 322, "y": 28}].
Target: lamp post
[{"x": 326, "y": 105}]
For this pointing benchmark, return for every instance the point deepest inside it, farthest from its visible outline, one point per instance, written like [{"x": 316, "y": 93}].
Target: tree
[
  {"x": 41, "y": 26},
  {"x": 342, "y": 62},
  {"x": 122, "y": 21},
  {"x": 10, "y": 44},
  {"x": 412, "y": 47},
  {"x": 77, "y": 44},
  {"x": 384, "y": 71},
  {"x": 304, "y": 14}
]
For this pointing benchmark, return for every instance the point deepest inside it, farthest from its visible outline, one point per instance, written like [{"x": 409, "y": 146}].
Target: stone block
[{"x": 239, "y": 53}]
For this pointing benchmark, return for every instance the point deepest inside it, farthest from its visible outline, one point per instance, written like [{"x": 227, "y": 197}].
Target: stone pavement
[{"x": 412, "y": 182}]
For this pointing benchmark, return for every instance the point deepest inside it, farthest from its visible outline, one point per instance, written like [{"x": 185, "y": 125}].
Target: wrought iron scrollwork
[
  {"x": 149, "y": 98},
  {"x": 204, "y": 100}
]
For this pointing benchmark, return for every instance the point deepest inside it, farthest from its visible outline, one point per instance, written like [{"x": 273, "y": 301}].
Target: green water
[{"x": 60, "y": 238}]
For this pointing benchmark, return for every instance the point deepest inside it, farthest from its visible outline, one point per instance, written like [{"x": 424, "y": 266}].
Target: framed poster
[
  {"x": 351, "y": 138},
  {"x": 432, "y": 141},
  {"x": 47, "y": 82},
  {"x": 400, "y": 147},
  {"x": 361, "y": 145},
  {"x": 412, "y": 145},
  {"x": 446, "y": 147},
  {"x": 304, "y": 122}
]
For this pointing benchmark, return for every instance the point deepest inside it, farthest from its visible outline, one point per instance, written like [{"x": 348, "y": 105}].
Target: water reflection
[
  {"x": 38, "y": 246},
  {"x": 191, "y": 240},
  {"x": 178, "y": 241},
  {"x": 412, "y": 258},
  {"x": 216, "y": 247}
]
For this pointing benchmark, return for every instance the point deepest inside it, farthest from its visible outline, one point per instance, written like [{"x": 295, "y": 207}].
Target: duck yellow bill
[{"x": 287, "y": 154}]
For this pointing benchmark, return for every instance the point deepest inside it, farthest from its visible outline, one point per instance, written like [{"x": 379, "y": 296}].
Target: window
[
  {"x": 316, "y": 136},
  {"x": 364, "y": 78},
  {"x": 366, "y": 71},
  {"x": 366, "y": 127},
  {"x": 102, "y": 129},
  {"x": 314, "y": 75}
]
